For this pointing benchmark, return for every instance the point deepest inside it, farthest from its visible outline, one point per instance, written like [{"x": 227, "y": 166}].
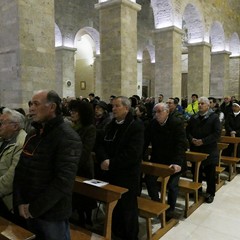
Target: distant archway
[
  {"x": 88, "y": 47},
  {"x": 234, "y": 45},
  {"x": 163, "y": 13},
  {"x": 193, "y": 25},
  {"x": 58, "y": 36},
  {"x": 217, "y": 37}
]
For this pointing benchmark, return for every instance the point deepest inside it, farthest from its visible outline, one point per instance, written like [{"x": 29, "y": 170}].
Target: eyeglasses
[
  {"x": 6, "y": 122},
  {"x": 27, "y": 148}
]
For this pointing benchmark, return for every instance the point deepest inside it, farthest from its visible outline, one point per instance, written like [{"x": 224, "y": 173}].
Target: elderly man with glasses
[{"x": 11, "y": 143}]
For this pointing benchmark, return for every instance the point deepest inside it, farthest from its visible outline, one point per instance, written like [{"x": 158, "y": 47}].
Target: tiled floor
[{"x": 217, "y": 221}]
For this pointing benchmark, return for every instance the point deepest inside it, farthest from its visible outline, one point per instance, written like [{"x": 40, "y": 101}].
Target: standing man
[
  {"x": 167, "y": 137},
  {"x": 173, "y": 111},
  {"x": 203, "y": 131},
  {"x": 226, "y": 106},
  {"x": 214, "y": 106},
  {"x": 160, "y": 98},
  {"x": 45, "y": 174},
  {"x": 119, "y": 153},
  {"x": 192, "y": 108},
  {"x": 11, "y": 143}
]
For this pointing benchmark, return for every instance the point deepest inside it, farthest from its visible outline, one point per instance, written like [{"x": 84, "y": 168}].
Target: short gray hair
[
  {"x": 125, "y": 101},
  {"x": 15, "y": 116},
  {"x": 204, "y": 99},
  {"x": 164, "y": 105}
]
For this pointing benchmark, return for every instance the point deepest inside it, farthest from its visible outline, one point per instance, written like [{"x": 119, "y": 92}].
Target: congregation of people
[{"x": 42, "y": 151}]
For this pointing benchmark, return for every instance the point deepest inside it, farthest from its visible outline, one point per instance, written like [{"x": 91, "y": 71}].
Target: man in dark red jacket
[{"x": 45, "y": 174}]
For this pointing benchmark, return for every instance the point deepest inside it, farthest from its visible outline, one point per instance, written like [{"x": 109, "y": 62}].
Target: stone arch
[
  {"x": 151, "y": 51},
  {"x": 163, "y": 13},
  {"x": 234, "y": 45},
  {"x": 147, "y": 71},
  {"x": 88, "y": 48},
  {"x": 217, "y": 37},
  {"x": 192, "y": 24},
  {"x": 93, "y": 33},
  {"x": 58, "y": 36}
]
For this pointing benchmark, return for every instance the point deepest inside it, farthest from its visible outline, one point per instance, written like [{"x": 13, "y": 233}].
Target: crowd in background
[{"x": 119, "y": 133}]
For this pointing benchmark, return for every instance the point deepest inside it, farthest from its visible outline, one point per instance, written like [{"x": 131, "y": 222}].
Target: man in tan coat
[{"x": 11, "y": 143}]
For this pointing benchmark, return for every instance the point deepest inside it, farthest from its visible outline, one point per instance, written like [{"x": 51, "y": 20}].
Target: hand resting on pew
[{"x": 176, "y": 168}]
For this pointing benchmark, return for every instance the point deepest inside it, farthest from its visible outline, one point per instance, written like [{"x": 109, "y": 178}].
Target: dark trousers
[
  {"x": 125, "y": 220},
  {"x": 210, "y": 173},
  {"x": 49, "y": 230},
  {"x": 153, "y": 188}
]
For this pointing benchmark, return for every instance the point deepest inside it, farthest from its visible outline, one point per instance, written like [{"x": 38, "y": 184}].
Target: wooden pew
[
  {"x": 219, "y": 168},
  {"x": 11, "y": 231},
  {"x": 231, "y": 161},
  {"x": 188, "y": 186},
  {"x": 109, "y": 194},
  {"x": 150, "y": 209}
]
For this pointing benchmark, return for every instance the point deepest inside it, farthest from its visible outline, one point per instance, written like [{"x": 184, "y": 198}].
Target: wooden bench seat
[
  {"x": 231, "y": 161},
  {"x": 219, "y": 169},
  {"x": 11, "y": 231},
  {"x": 188, "y": 186},
  {"x": 108, "y": 194},
  {"x": 151, "y": 209}
]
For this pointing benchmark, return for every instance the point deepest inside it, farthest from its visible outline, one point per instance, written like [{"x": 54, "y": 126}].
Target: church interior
[
  {"x": 123, "y": 48},
  {"x": 119, "y": 47}
]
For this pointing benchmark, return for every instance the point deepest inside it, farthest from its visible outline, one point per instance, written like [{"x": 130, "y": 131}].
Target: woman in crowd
[{"x": 82, "y": 117}]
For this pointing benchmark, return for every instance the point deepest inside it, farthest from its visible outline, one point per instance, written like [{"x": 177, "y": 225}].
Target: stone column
[
  {"x": 168, "y": 42},
  {"x": 199, "y": 61},
  {"x": 65, "y": 72},
  {"x": 234, "y": 76},
  {"x": 97, "y": 76},
  {"x": 139, "y": 77},
  {"x": 118, "y": 39},
  {"x": 152, "y": 84},
  {"x": 27, "y": 52},
  {"x": 219, "y": 84}
]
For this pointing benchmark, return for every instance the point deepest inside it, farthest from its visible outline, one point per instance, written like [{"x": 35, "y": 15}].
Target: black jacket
[
  {"x": 168, "y": 142},
  {"x": 122, "y": 144},
  {"x": 232, "y": 123},
  {"x": 46, "y": 170},
  {"x": 208, "y": 129}
]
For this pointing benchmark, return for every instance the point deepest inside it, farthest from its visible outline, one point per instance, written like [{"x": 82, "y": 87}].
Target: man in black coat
[
  {"x": 45, "y": 174},
  {"x": 120, "y": 152},
  {"x": 167, "y": 137},
  {"x": 203, "y": 131},
  {"x": 232, "y": 127}
]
